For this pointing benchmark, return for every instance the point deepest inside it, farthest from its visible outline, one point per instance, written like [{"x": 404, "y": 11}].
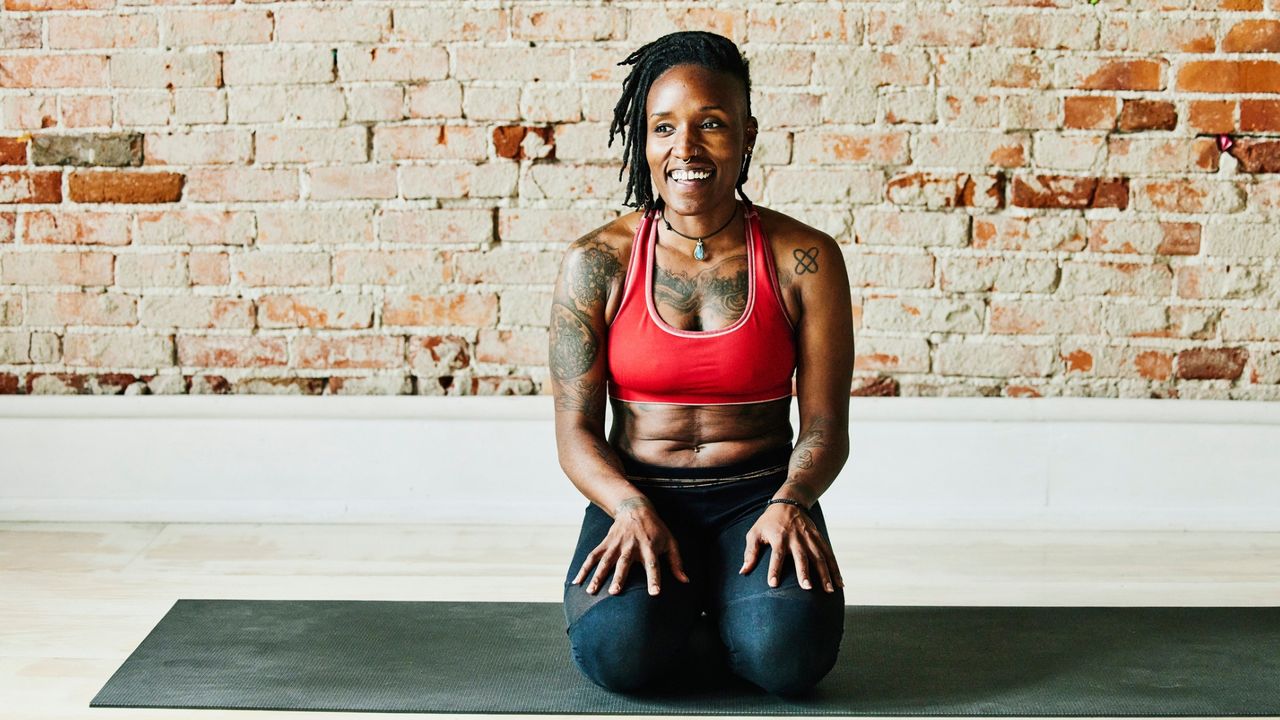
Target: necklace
[{"x": 699, "y": 251}]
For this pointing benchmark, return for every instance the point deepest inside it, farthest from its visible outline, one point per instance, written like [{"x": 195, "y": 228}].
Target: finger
[
  {"x": 677, "y": 563},
  {"x": 802, "y": 565},
  {"x": 602, "y": 571},
  {"x": 775, "y": 565},
  {"x": 820, "y": 563},
  {"x": 650, "y": 568},
  {"x": 586, "y": 565},
  {"x": 751, "y": 555},
  {"x": 831, "y": 561},
  {"x": 620, "y": 574}
]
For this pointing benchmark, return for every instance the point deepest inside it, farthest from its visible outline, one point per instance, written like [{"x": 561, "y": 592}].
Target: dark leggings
[{"x": 783, "y": 639}]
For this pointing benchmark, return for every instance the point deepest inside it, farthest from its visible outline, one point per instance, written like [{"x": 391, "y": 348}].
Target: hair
[{"x": 692, "y": 47}]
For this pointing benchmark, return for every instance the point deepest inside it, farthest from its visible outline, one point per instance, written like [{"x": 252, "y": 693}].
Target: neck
[{"x": 701, "y": 225}]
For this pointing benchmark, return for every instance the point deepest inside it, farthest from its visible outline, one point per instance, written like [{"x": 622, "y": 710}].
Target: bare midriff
[{"x": 698, "y": 435}]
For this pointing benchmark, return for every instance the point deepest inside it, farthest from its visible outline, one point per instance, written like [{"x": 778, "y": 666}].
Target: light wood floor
[{"x": 76, "y": 599}]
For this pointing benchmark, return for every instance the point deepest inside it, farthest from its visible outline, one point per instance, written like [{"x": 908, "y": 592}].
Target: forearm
[
  {"x": 817, "y": 458},
  {"x": 594, "y": 468}
]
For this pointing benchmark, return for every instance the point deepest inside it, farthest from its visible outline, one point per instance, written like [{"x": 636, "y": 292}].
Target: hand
[
  {"x": 636, "y": 529},
  {"x": 789, "y": 531}
]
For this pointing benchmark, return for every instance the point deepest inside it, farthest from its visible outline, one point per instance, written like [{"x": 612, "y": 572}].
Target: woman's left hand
[{"x": 792, "y": 533}]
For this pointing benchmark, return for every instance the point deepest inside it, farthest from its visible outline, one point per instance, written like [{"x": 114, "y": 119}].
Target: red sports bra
[{"x": 750, "y": 361}]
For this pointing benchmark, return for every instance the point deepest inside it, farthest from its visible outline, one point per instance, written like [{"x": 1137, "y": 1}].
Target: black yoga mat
[{"x": 505, "y": 657}]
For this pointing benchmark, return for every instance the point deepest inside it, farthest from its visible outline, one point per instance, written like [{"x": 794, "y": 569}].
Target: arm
[
  {"x": 577, "y": 363},
  {"x": 577, "y": 359},
  {"x": 824, "y": 373}
]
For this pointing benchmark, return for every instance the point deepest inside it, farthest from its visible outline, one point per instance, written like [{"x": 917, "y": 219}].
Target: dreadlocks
[{"x": 693, "y": 47}]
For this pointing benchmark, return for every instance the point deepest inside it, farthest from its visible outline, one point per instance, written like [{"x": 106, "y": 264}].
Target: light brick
[
  {"x": 216, "y": 27},
  {"x": 549, "y": 226},
  {"x": 1045, "y": 317},
  {"x": 260, "y": 268},
  {"x": 1085, "y": 278},
  {"x": 432, "y": 24},
  {"x": 81, "y": 309},
  {"x": 821, "y": 185},
  {"x": 438, "y": 99},
  {"x": 117, "y": 350},
  {"x": 194, "y": 227},
  {"x": 220, "y": 147},
  {"x": 429, "y": 142},
  {"x": 435, "y": 227},
  {"x": 399, "y": 63},
  {"x": 982, "y": 274},
  {"x": 1223, "y": 281},
  {"x": 879, "y": 227},
  {"x": 374, "y": 351},
  {"x": 984, "y": 359},
  {"x": 232, "y": 351},
  {"x": 281, "y": 103},
  {"x": 464, "y": 309},
  {"x": 195, "y": 312},
  {"x": 891, "y": 354},
  {"x": 358, "y": 24},
  {"x": 514, "y": 347},
  {"x": 241, "y": 184},
  {"x": 347, "y": 182},
  {"x": 82, "y": 32},
  {"x": 540, "y": 64},
  {"x": 144, "y": 270},
  {"x": 820, "y": 147},
  {"x": 1046, "y": 233},
  {"x": 277, "y": 66},
  {"x": 318, "y": 226},
  {"x": 922, "y": 314},
  {"x": 507, "y": 266},
  {"x": 78, "y": 228},
  {"x": 335, "y": 312},
  {"x": 524, "y": 307},
  {"x": 308, "y": 145},
  {"x": 459, "y": 180},
  {"x": 136, "y": 69},
  {"x": 15, "y": 348},
  {"x": 1250, "y": 324},
  {"x": 57, "y": 268},
  {"x": 896, "y": 270},
  {"x": 406, "y": 267},
  {"x": 1144, "y": 236}
]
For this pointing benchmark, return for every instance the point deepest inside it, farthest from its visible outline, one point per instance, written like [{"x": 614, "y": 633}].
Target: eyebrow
[{"x": 704, "y": 107}]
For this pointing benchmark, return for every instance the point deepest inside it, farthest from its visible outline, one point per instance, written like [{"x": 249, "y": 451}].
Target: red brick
[
  {"x": 1257, "y": 156},
  {"x": 1124, "y": 75},
  {"x": 1250, "y": 36},
  {"x": 875, "y": 387},
  {"x": 13, "y": 151},
  {"x": 1089, "y": 112},
  {"x": 1213, "y": 116},
  {"x": 947, "y": 190},
  {"x": 508, "y": 140},
  {"x": 31, "y": 187},
  {"x": 8, "y": 384},
  {"x": 1212, "y": 363},
  {"x": 126, "y": 187},
  {"x": 1147, "y": 115},
  {"x": 1154, "y": 365},
  {"x": 1230, "y": 76},
  {"x": 1259, "y": 115},
  {"x": 1063, "y": 191}
]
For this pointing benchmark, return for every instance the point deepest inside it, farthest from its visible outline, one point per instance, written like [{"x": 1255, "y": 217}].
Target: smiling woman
[{"x": 691, "y": 316}]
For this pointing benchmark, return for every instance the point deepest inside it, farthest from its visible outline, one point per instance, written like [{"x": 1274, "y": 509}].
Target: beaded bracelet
[{"x": 788, "y": 501}]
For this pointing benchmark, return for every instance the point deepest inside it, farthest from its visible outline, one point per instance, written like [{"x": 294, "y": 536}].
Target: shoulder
[
  {"x": 607, "y": 244},
  {"x": 806, "y": 257}
]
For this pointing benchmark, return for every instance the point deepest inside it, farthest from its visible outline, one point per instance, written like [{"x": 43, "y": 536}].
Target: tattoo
[
  {"x": 574, "y": 344},
  {"x": 598, "y": 268},
  {"x": 812, "y": 439},
  {"x": 806, "y": 260},
  {"x": 631, "y": 503},
  {"x": 581, "y": 396},
  {"x": 710, "y": 291}
]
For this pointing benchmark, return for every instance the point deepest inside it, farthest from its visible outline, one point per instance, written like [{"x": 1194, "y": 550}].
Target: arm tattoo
[
  {"x": 806, "y": 260},
  {"x": 582, "y": 396},
  {"x": 574, "y": 344},
  {"x": 814, "y": 438}
]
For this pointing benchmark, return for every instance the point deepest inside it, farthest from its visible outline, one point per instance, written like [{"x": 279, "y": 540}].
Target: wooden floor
[{"x": 76, "y": 599}]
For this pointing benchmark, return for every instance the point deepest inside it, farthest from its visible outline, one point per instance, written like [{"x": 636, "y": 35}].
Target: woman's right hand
[{"x": 636, "y": 530}]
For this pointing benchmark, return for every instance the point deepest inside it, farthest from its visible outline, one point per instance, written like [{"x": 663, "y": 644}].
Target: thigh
[
  {"x": 748, "y": 601},
  {"x": 676, "y": 602}
]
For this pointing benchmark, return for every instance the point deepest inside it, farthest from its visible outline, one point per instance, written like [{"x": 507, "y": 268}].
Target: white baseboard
[{"x": 962, "y": 463}]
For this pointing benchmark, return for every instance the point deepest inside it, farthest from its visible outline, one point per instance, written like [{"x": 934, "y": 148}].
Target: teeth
[{"x": 690, "y": 174}]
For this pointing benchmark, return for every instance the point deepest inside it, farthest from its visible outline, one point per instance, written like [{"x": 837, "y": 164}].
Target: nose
[{"x": 686, "y": 145}]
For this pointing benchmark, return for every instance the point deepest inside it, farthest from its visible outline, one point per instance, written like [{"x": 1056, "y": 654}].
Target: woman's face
[{"x": 696, "y": 120}]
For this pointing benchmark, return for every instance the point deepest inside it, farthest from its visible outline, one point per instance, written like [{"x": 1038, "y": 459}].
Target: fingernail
[
  {"x": 806, "y": 584},
  {"x": 829, "y": 588},
  {"x": 773, "y": 581}
]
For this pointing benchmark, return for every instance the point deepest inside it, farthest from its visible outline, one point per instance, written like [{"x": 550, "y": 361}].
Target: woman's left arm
[{"x": 824, "y": 374}]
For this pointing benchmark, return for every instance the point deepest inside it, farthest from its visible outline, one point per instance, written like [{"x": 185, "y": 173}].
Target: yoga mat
[{"x": 507, "y": 657}]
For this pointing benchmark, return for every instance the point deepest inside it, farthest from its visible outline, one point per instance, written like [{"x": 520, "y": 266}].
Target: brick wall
[{"x": 372, "y": 197}]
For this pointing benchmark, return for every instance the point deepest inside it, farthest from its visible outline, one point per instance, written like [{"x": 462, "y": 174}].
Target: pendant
[{"x": 699, "y": 252}]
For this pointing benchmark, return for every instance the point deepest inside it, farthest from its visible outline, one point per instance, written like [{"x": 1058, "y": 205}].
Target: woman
[{"x": 691, "y": 317}]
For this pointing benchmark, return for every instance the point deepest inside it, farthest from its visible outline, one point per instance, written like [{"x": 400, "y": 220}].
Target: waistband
[{"x": 762, "y": 464}]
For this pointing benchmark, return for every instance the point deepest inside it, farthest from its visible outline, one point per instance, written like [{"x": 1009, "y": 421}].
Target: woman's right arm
[{"x": 577, "y": 359}]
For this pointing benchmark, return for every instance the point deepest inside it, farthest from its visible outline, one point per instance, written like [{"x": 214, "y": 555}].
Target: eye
[
  {"x": 711, "y": 122},
  {"x": 659, "y": 126}
]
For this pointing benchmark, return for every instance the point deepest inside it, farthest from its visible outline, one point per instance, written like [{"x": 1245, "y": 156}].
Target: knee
[
  {"x": 780, "y": 662},
  {"x": 621, "y": 656}
]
